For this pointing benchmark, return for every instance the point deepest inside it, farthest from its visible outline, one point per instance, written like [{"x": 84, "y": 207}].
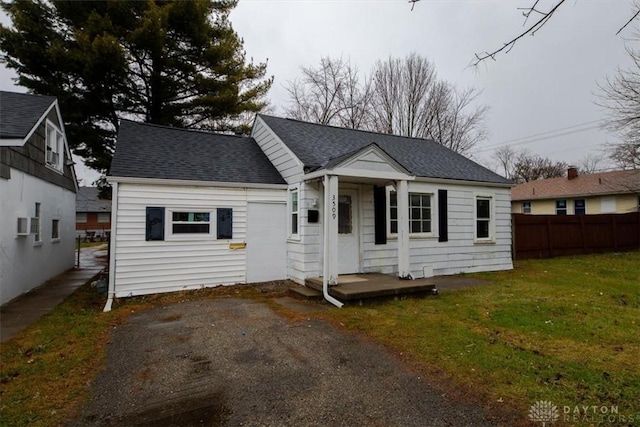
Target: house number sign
[{"x": 333, "y": 206}]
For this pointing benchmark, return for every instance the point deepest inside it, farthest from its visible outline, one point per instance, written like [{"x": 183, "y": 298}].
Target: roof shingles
[
  {"x": 615, "y": 182},
  {"x": 19, "y": 113},
  {"x": 151, "y": 151},
  {"x": 315, "y": 145}
]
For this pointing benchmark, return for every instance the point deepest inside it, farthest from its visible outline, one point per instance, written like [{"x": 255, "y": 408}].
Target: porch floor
[{"x": 352, "y": 287}]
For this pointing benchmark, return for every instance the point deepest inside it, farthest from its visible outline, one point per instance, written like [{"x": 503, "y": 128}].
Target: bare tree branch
[
  {"x": 546, "y": 16},
  {"x": 635, "y": 15}
]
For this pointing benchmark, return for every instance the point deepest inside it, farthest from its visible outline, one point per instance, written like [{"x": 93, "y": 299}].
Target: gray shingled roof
[
  {"x": 87, "y": 201},
  {"x": 19, "y": 113},
  {"x": 151, "y": 151},
  {"x": 317, "y": 145}
]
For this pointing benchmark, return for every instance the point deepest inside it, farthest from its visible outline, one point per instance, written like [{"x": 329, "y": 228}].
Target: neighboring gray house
[
  {"x": 37, "y": 194},
  {"x": 93, "y": 214},
  {"x": 297, "y": 200}
]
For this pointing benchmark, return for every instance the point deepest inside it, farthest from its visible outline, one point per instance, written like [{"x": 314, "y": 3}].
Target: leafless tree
[
  {"x": 505, "y": 157},
  {"x": 402, "y": 96},
  {"x": 528, "y": 167},
  {"x": 589, "y": 164},
  {"x": 542, "y": 17},
  {"x": 410, "y": 100},
  {"x": 404, "y": 91},
  {"x": 625, "y": 155},
  {"x": 620, "y": 95},
  {"x": 330, "y": 94}
]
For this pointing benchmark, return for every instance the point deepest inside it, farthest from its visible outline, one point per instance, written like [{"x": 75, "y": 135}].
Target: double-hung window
[
  {"x": 293, "y": 205},
  {"x": 579, "y": 207},
  {"x": 35, "y": 225},
  {"x": 561, "y": 207},
  {"x": 526, "y": 207},
  {"x": 190, "y": 222},
  {"x": 484, "y": 218},
  {"x": 54, "y": 147},
  {"x": 420, "y": 213}
]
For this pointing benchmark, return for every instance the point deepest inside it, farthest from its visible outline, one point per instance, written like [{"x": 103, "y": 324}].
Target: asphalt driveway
[{"x": 236, "y": 362}]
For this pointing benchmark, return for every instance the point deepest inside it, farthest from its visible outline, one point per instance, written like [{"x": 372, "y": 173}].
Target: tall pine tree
[{"x": 171, "y": 62}]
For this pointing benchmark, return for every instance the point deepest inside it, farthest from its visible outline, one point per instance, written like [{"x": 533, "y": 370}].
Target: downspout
[
  {"x": 325, "y": 267},
  {"x": 112, "y": 247}
]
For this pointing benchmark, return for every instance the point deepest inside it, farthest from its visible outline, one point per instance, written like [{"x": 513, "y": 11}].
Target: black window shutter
[
  {"x": 443, "y": 221},
  {"x": 225, "y": 223},
  {"x": 380, "y": 214},
  {"x": 155, "y": 224}
]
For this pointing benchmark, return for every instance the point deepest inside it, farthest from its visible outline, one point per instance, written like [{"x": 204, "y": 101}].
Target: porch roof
[{"x": 320, "y": 146}]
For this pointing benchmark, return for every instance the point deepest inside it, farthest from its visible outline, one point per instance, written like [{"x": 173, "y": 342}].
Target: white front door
[
  {"x": 266, "y": 242},
  {"x": 348, "y": 238}
]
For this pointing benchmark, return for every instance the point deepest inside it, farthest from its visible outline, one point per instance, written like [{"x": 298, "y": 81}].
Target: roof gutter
[
  {"x": 453, "y": 181},
  {"x": 162, "y": 181}
]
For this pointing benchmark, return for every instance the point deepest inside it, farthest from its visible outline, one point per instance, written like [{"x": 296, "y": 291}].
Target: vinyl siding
[
  {"x": 304, "y": 257},
  {"x": 461, "y": 254},
  {"x": 280, "y": 156},
  {"x": 180, "y": 261}
]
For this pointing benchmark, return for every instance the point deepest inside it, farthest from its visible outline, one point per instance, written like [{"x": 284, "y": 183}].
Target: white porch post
[
  {"x": 404, "y": 271},
  {"x": 330, "y": 264},
  {"x": 331, "y": 238}
]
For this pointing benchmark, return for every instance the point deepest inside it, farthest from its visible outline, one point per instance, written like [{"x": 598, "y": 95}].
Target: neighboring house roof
[
  {"x": 152, "y": 151},
  {"x": 87, "y": 201},
  {"x": 321, "y": 146},
  {"x": 603, "y": 183},
  {"x": 20, "y": 112}
]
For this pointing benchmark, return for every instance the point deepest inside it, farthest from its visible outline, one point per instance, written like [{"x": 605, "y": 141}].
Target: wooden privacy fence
[{"x": 548, "y": 236}]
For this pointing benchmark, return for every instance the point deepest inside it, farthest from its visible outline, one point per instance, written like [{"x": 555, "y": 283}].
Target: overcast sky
[{"x": 547, "y": 82}]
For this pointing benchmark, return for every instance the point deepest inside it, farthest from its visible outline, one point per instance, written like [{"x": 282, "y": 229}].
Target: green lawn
[{"x": 565, "y": 330}]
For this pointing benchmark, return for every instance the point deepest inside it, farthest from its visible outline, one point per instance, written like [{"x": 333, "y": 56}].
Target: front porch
[{"x": 355, "y": 287}]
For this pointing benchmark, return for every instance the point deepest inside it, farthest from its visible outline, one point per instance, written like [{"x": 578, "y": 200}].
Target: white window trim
[
  {"x": 59, "y": 168},
  {"x": 86, "y": 218},
  {"x": 566, "y": 206},
  {"x": 168, "y": 225},
  {"x": 433, "y": 234},
  {"x": 573, "y": 205},
  {"x": 290, "y": 212},
  {"x": 492, "y": 219},
  {"x": 530, "y": 207}
]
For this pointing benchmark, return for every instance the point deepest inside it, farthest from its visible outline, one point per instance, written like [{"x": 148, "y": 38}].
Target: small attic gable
[{"x": 372, "y": 160}]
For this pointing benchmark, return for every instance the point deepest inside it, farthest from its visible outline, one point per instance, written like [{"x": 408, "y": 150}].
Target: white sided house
[
  {"x": 297, "y": 201},
  {"x": 37, "y": 194}
]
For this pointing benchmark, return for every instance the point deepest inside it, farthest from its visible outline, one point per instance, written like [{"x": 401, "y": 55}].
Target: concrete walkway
[{"x": 27, "y": 308}]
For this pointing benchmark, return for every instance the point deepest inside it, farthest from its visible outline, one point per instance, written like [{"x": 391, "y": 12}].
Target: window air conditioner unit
[{"x": 23, "y": 227}]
